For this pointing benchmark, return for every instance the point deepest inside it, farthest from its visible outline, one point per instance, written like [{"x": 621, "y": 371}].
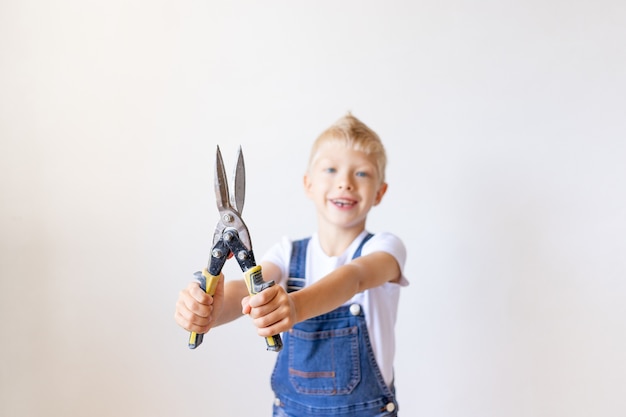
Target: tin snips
[{"x": 231, "y": 238}]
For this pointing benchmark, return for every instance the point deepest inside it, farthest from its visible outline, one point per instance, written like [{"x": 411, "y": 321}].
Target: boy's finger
[
  {"x": 199, "y": 294},
  {"x": 267, "y": 319},
  {"x": 263, "y": 297},
  {"x": 192, "y": 323},
  {"x": 274, "y": 328},
  {"x": 197, "y": 309},
  {"x": 245, "y": 305}
]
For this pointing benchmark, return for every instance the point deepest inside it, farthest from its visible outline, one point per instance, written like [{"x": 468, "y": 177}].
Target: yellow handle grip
[
  {"x": 208, "y": 283},
  {"x": 254, "y": 281}
]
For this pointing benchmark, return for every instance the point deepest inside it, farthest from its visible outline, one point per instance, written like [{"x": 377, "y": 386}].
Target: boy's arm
[
  {"x": 275, "y": 311},
  {"x": 345, "y": 282},
  {"x": 234, "y": 291}
]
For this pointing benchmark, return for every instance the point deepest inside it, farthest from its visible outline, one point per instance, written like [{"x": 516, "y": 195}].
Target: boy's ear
[
  {"x": 380, "y": 193},
  {"x": 306, "y": 182}
]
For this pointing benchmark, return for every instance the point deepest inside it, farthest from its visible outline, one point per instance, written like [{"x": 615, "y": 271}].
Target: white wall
[{"x": 505, "y": 128}]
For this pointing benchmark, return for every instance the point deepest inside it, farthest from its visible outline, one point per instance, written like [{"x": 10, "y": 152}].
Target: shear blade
[
  {"x": 240, "y": 183},
  {"x": 221, "y": 183}
]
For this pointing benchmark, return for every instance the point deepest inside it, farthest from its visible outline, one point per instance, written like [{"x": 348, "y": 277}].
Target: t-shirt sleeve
[
  {"x": 279, "y": 255},
  {"x": 390, "y": 243}
]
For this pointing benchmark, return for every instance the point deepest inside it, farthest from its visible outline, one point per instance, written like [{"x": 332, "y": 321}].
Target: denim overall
[{"x": 327, "y": 366}]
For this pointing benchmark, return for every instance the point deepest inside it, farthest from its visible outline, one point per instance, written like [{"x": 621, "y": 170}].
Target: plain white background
[{"x": 505, "y": 129}]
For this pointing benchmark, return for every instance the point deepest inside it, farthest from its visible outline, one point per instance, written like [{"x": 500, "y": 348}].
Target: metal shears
[{"x": 231, "y": 238}]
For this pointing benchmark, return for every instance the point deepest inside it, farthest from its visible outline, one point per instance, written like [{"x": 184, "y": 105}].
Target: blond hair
[{"x": 354, "y": 134}]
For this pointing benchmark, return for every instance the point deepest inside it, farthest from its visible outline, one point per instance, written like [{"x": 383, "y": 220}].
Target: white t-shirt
[{"x": 379, "y": 304}]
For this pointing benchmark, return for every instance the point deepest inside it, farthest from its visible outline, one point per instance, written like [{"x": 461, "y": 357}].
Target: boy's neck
[{"x": 334, "y": 241}]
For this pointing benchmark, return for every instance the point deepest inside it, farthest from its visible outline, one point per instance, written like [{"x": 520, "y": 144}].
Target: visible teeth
[{"x": 342, "y": 203}]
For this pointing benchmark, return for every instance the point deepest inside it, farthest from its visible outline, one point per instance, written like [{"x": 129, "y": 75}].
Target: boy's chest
[{"x": 319, "y": 265}]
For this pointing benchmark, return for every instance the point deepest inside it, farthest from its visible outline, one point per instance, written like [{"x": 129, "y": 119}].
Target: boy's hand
[
  {"x": 196, "y": 311},
  {"x": 272, "y": 311}
]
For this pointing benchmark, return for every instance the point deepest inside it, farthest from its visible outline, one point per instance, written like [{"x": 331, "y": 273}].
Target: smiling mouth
[{"x": 343, "y": 203}]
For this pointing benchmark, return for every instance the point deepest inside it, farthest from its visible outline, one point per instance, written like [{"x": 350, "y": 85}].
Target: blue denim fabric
[{"x": 328, "y": 368}]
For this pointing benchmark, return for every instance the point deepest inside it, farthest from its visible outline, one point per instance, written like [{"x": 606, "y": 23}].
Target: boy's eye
[
  {"x": 330, "y": 170},
  {"x": 362, "y": 174}
]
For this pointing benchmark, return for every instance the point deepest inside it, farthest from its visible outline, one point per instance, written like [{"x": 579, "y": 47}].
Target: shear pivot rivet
[
  {"x": 217, "y": 253},
  {"x": 228, "y": 218},
  {"x": 242, "y": 255}
]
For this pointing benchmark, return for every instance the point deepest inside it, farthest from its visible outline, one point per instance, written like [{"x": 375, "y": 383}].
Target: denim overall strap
[
  {"x": 327, "y": 366},
  {"x": 297, "y": 264},
  {"x": 358, "y": 250}
]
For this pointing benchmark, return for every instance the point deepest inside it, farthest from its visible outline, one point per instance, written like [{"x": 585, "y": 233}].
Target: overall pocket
[{"x": 324, "y": 362}]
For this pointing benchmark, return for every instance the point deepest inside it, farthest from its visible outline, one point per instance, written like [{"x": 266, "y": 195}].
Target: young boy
[{"x": 338, "y": 291}]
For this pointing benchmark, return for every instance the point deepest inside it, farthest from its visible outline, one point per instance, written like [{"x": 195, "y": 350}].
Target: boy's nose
[{"x": 345, "y": 184}]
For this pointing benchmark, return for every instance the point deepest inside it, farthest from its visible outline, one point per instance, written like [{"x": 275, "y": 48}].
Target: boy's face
[{"x": 344, "y": 185}]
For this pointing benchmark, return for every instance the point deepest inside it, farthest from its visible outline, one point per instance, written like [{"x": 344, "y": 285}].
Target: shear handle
[{"x": 208, "y": 280}]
